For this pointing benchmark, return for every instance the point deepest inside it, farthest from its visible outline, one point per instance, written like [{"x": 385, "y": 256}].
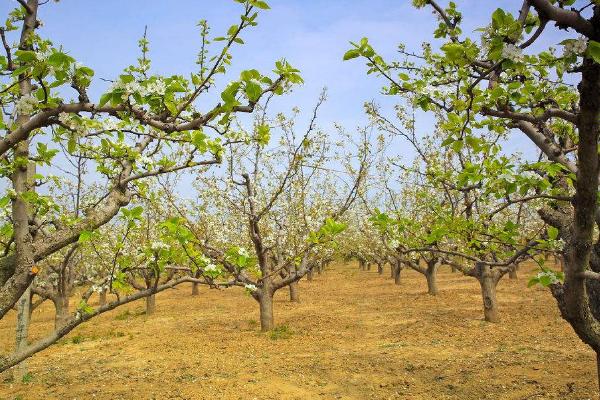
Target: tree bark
[
  {"x": 397, "y": 270},
  {"x": 102, "y": 295},
  {"x": 61, "y": 316},
  {"x": 195, "y": 289},
  {"x": 309, "y": 275},
  {"x": 379, "y": 269},
  {"x": 22, "y": 331},
  {"x": 488, "y": 280},
  {"x": 294, "y": 293},
  {"x": 150, "y": 304},
  {"x": 431, "y": 275},
  {"x": 512, "y": 273},
  {"x": 265, "y": 301},
  {"x": 368, "y": 266}
]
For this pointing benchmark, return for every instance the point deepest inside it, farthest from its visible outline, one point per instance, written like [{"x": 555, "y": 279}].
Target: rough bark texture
[
  {"x": 150, "y": 304},
  {"x": 309, "y": 275},
  {"x": 61, "y": 316},
  {"x": 102, "y": 299},
  {"x": 397, "y": 271},
  {"x": 22, "y": 331},
  {"x": 265, "y": 301},
  {"x": 294, "y": 293},
  {"x": 17, "y": 283},
  {"x": 431, "y": 275},
  {"x": 488, "y": 280},
  {"x": 512, "y": 273},
  {"x": 195, "y": 289}
]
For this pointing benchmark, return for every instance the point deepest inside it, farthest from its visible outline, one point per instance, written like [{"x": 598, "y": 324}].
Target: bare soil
[{"x": 355, "y": 335}]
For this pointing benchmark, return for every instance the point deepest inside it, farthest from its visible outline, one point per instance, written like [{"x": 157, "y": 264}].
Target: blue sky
[{"x": 311, "y": 34}]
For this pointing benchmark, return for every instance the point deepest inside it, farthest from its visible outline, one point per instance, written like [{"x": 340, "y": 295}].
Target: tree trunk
[
  {"x": 368, "y": 266},
  {"x": 431, "y": 275},
  {"x": 150, "y": 304},
  {"x": 103, "y": 297},
  {"x": 397, "y": 270},
  {"x": 195, "y": 289},
  {"x": 488, "y": 282},
  {"x": 265, "y": 301},
  {"x": 380, "y": 269},
  {"x": 512, "y": 273},
  {"x": 361, "y": 265},
  {"x": 22, "y": 332},
  {"x": 452, "y": 269},
  {"x": 294, "y": 294},
  {"x": 61, "y": 316},
  {"x": 309, "y": 275}
]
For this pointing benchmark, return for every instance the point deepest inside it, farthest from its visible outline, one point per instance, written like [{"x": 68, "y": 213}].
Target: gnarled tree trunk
[
  {"x": 396, "y": 271},
  {"x": 150, "y": 304},
  {"x": 512, "y": 272},
  {"x": 294, "y": 293},
  {"x": 102, "y": 297},
  {"x": 195, "y": 289},
  {"x": 488, "y": 278},
  {"x": 61, "y": 307},
  {"x": 431, "y": 275},
  {"x": 265, "y": 300},
  {"x": 22, "y": 331}
]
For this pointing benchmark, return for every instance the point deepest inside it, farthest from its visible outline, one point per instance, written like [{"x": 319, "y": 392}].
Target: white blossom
[
  {"x": 243, "y": 252},
  {"x": 575, "y": 47},
  {"x": 211, "y": 268},
  {"x": 157, "y": 245},
  {"x": 26, "y": 105},
  {"x": 157, "y": 87},
  {"x": 110, "y": 124},
  {"x": 512, "y": 52},
  {"x": 145, "y": 160},
  {"x": 530, "y": 175},
  {"x": 250, "y": 287},
  {"x": 507, "y": 177}
]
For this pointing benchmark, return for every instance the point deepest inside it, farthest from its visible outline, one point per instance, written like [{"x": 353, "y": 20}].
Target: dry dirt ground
[{"x": 354, "y": 336}]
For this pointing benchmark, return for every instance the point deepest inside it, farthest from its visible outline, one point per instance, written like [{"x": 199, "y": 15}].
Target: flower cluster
[
  {"x": 243, "y": 252},
  {"x": 110, "y": 124},
  {"x": 156, "y": 86},
  {"x": 512, "y": 52},
  {"x": 575, "y": 47},
  {"x": 394, "y": 244},
  {"x": 250, "y": 287},
  {"x": 72, "y": 122},
  {"x": 211, "y": 268},
  {"x": 441, "y": 90},
  {"x": 157, "y": 246},
  {"x": 26, "y": 105}
]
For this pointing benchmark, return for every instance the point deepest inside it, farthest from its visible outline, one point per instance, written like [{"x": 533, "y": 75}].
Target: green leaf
[
  {"x": 350, "y": 54},
  {"x": 85, "y": 236},
  {"x": 552, "y": 233},
  {"x": 593, "y": 51},
  {"x": 261, "y": 4},
  {"x": 105, "y": 98}
]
